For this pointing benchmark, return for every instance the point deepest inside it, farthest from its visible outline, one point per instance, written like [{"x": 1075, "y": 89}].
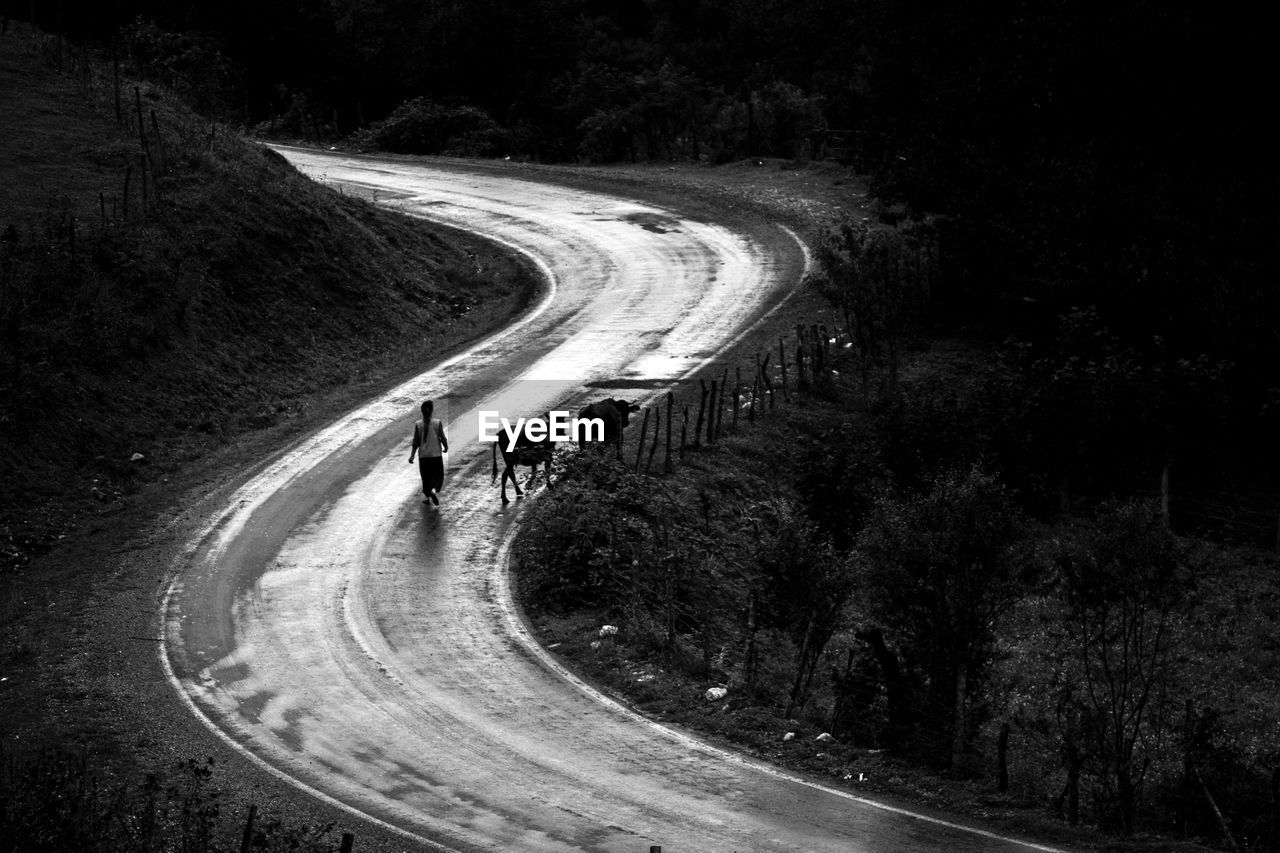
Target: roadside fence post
[
  {"x": 247, "y": 838},
  {"x": 1002, "y": 754},
  {"x": 142, "y": 184},
  {"x": 142, "y": 127},
  {"x": 766, "y": 381},
  {"x": 737, "y": 395},
  {"x": 818, "y": 359},
  {"x": 684, "y": 431},
  {"x": 653, "y": 448},
  {"x": 782, "y": 362},
  {"x": 155, "y": 129},
  {"x": 702, "y": 406},
  {"x": 724, "y": 383},
  {"x": 644, "y": 430},
  {"x": 800, "y": 377},
  {"x": 666, "y": 466},
  {"x": 711, "y": 414},
  {"x": 128, "y": 173}
]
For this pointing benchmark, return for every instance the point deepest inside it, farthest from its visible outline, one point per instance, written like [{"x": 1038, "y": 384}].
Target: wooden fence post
[
  {"x": 684, "y": 431},
  {"x": 702, "y": 406},
  {"x": 644, "y": 429},
  {"x": 142, "y": 185},
  {"x": 766, "y": 382},
  {"x": 801, "y": 381},
  {"x": 653, "y": 448},
  {"x": 1073, "y": 779},
  {"x": 142, "y": 127},
  {"x": 737, "y": 395},
  {"x": 1002, "y": 758},
  {"x": 782, "y": 362},
  {"x": 724, "y": 383},
  {"x": 128, "y": 173},
  {"x": 666, "y": 466},
  {"x": 155, "y": 128},
  {"x": 759, "y": 373},
  {"x": 1217, "y": 813},
  {"x": 247, "y": 839},
  {"x": 711, "y": 415},
  {"x": 717, "y": 398}
]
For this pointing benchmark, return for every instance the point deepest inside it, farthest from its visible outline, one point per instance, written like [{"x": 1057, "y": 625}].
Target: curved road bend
[{"x": 364, "y": 646}]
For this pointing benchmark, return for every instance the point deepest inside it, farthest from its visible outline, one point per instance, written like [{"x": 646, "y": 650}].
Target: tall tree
[
  {"x": 1123, "y": 583},
  {"x": 936, "y": 570}
]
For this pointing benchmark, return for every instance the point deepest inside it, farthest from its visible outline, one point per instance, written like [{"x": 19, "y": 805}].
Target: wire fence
[{"x": 698, "y": 416}]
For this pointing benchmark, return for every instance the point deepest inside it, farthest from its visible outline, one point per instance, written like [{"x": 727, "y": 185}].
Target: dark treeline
[{"x": 1077, "y": 155}]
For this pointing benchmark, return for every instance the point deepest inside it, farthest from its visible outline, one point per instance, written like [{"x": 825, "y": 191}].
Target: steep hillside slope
[{"x": 163, "y": 293}]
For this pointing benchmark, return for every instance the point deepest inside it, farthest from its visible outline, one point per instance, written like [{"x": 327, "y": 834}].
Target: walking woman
[{"x": 429, "y": 443}]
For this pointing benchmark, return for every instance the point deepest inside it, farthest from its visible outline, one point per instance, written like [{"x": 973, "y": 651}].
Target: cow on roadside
[
  {"x": 526, "y": 451},
  {"x": 615, "y": 414}
]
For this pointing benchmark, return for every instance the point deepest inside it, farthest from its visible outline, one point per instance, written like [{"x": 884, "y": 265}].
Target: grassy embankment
[{"x": 226, "y": 303}]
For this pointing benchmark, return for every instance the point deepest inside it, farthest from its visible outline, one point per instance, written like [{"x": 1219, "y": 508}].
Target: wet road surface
[{"x": 365, "y": 646}]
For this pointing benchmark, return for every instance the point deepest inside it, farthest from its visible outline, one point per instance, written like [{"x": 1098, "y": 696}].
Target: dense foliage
[
  {"x": 1131, "y": 667},
  {"x": 1069, "y": 156},
  {"x": 954, "y": 543}
]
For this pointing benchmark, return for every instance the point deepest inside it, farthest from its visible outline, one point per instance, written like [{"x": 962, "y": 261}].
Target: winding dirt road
[{"x": 345, "y": 636}]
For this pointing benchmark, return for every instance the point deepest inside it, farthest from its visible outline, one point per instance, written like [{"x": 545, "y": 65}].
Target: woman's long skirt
[{"x": 432, "y": 470}]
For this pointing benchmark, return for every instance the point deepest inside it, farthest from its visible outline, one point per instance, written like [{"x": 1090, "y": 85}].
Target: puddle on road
[
  {"x": 654, "y": 222},
  {"x": 629, "y": 384},
  {"x": 251, "y": 707}
]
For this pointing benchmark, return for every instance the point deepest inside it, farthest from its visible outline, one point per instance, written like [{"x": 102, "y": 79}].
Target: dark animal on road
[
  {"x": 616, "y": 414},
  {"x": 527, "y": 451}
]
